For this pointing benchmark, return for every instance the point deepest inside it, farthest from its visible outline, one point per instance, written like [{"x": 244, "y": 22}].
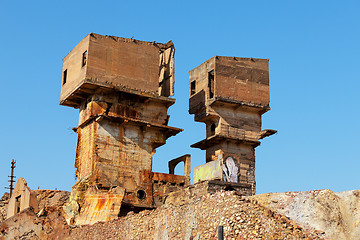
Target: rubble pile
[
  {"x": 3, "y": 203},
  {"x": 198, "y": 217},
  {"x": 196, "y": 212},
  {"x": 45, "y": 223},
  {"x": 51, "y": 198}
]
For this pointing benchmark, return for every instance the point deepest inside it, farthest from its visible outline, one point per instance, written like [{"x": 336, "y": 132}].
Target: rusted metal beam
[{"x": 13, "y": 162}]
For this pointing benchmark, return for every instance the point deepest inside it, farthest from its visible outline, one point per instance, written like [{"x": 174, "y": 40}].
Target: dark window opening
[
  {"x": 229, "y": 188},
  {"x": 141, "y": 194},
  {"x": 212, "y": 129},
  {"x": 17, "y": 203},
  {"x": 182, "y": 184},
  {"x": 192, "y": 87},
  {"x": 64, "y": 76},
  {"x": 84, "y": 57},
  {"x": 211, "y": 83}
]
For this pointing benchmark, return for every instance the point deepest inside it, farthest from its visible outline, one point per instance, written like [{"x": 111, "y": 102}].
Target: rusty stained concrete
[
  {"x": 229, "y": 95},
  {"x": 121, "y": 87},
  {"x": 115, "y": 149},
  {"x": 100, "y": 206},
  {"x": 116, "y": 144}
]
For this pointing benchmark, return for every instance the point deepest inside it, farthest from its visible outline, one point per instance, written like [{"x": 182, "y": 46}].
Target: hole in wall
[
  {"x": 229, "y": 188},
  {"x": 141, "y": 194}
]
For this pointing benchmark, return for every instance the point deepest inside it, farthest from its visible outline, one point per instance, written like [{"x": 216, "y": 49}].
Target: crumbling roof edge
[
  {"x": 119, "y": 88},
  {"x": 166, "y": 45},
  {"x": 161, "y": 46},
  {"x": 203, "y": 144},
  {"x": 99, "y": 117},
  {"x": 261, "y": 107}
]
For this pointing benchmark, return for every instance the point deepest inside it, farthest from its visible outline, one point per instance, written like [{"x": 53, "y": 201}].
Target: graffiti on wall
[
  {"x": 230, "y": 170},
  {"x": 208, "y": 171}
]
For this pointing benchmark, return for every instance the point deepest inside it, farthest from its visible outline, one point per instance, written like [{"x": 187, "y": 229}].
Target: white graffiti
[{"x": 230, "y": 170}]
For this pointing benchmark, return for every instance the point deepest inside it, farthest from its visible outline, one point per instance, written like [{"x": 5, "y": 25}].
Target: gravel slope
[{"x": 336, "y": 214}]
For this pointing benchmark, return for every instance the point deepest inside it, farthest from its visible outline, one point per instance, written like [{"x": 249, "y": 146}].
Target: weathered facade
[
  {"x": 21, "y": 199},
  {"x": 229, "y": 95},
  {"x": 122, "y": 88}
]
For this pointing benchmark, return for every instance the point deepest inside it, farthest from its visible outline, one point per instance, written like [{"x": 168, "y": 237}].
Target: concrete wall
[
  {"x": 117, "y": 137},
  {"x": 238, "y": 79},
  {"x": 242, "y": 154},
  {"x": 123, "y": 61},
  {"x": 198, "y": 77},
  {"x": 117, "y": 62},
  {"x": 242, "y": 79},
  {"x": 75, "y": 71},
  {"x": 21, "y": 199}
]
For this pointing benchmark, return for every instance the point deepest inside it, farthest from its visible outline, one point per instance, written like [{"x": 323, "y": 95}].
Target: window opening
[
  {"x": 211, "y": 83},
  {"x": 212, "y": 129},
  {"x": 84, "y": 57},
  {"x": 64, "y": 76},
  {"x": 17, "y": 203},
  {"x": 193, "y": 87}
]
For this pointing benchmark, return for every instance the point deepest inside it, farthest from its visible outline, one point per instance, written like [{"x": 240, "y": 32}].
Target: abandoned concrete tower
[
  {"x": 229, "y": 95},
  {"x": 122, "y": 88}
]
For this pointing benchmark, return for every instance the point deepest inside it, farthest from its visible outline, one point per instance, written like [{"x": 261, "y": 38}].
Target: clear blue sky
[{"x": 313, "y": 47}]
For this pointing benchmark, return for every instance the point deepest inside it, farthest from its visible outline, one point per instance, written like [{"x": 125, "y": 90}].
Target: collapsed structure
[
  {"x": 229, "y": 95},
  {"x": 22, "y": 198},
  {"x": 121, "y": 87}
]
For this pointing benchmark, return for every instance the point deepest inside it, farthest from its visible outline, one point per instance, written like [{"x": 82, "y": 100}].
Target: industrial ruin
[
  {"x": 122, "y": 88},
  {"x": 229, "y": 95}
]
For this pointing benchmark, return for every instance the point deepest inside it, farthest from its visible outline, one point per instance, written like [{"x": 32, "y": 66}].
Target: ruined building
[
  {"x": 22, "y": 198},
  {"x": 121, "y": 88},
  {"x": 229, "y": 95}
]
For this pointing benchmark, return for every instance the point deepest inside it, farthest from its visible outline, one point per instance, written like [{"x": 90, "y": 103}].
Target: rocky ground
[
  {"x": 195, "y": 214},
  {"x": 51, "y": 198},
  {"x": 3, "y": 202},
  {"x": 198, "y": 218}
]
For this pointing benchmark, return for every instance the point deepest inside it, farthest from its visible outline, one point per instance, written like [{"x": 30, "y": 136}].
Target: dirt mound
[
  {"x": 335, "y": 214},
  {"x": 51, "y": 198},
  {"x": 193, "y": 213},
  {"x": 184, "y": 217}
]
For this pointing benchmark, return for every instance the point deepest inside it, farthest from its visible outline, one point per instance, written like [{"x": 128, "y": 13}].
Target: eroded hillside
[{"x": 336, "y": 214}]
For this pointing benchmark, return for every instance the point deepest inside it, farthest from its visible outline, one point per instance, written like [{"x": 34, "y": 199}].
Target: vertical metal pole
[
  {"x": 12, "y": 176},
  {"x": 220, "y": 233}
]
